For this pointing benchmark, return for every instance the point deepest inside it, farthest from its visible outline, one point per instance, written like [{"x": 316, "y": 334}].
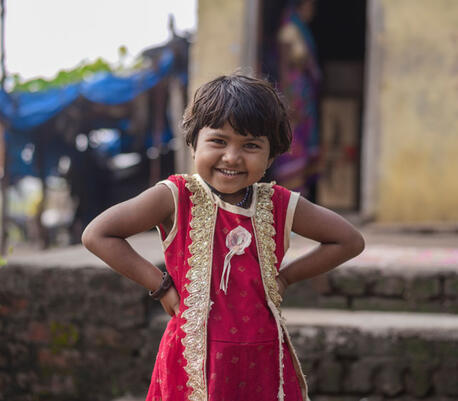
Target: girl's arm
[
  {"x": 106, "y": 237},
  {"x": 339, "y": 241}
]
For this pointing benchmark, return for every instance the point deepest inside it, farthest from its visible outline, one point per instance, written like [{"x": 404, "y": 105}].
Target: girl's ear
[{"x": 270, "y": 161}]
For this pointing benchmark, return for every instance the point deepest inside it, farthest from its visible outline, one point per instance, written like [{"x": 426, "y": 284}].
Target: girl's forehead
[{"x": 228, "y": 130}]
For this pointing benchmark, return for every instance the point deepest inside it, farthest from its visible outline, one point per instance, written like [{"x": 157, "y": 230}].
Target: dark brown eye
[{"x": 218, "y": 141}]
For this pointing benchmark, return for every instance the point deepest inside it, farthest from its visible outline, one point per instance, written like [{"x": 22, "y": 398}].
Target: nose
[{"x": 231, "y": 155}]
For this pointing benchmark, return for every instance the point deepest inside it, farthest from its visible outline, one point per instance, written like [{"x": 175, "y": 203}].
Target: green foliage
[
  {"x": 83, "y": 71},
  {"x": 63, "y": 77}
]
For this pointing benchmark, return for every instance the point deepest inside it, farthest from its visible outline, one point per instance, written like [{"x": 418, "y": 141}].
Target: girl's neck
[{"x": 244, "y": 202}]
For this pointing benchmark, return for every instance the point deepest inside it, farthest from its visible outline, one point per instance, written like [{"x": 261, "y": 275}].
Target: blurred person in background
[{"x": 299, "y": 77}]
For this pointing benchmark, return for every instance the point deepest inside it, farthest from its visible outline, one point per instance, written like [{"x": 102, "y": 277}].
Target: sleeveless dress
[{"x": 227, "y": 343}]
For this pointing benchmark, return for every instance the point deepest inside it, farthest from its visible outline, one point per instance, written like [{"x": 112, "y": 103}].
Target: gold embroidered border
[
  {"x": 195, "y": 340},
  {"x": 265, "y": 231}
]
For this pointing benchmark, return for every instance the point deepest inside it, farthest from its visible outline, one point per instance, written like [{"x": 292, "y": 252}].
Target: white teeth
[{"x": 229, "y": 172}]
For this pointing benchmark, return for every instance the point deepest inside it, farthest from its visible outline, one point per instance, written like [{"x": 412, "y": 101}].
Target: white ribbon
[{"x": 237, "y": 240}]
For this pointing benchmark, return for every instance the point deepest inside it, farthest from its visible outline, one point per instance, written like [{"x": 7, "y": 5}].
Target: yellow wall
[
  {"x": 218, "y": 44},
  {"x": 415, "y": 176},
  {"x": 418, "y": 170}
]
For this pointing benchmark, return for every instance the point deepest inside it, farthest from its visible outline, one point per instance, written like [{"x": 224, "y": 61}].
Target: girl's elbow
[
  {"x": 88, "y": 238},
  {"x": 358, "y": 244}
]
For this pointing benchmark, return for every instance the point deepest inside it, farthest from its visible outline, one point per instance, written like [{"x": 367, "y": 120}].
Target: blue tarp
[{"x": 23, "y": 110}]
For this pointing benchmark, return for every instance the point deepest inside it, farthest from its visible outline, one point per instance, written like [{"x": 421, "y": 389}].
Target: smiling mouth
[{"x": 229, "y": 173}]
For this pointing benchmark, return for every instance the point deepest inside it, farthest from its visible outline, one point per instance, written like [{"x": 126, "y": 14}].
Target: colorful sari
[{"x": 299, "y": 80}]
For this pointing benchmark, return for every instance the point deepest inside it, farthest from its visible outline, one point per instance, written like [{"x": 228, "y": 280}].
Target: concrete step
[
  {"x": 374, "y": 321},
  {"x": 412, "y": 276},
  {"x": 61, "y": 322},
  {"x": 376, "y": 356},
  {"x": 383, "y": 277}
]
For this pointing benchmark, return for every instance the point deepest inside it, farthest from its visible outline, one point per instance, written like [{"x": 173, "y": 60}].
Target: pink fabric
[
  {"x": 249, "y": 372},
  {"x": 242, "y": 351}
]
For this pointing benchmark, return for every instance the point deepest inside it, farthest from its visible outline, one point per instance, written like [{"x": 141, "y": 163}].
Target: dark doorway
[{"x": 339, "y": 31}]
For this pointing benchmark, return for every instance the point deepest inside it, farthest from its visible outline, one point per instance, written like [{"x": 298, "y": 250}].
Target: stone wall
[
  {"x": 86, "y": 333},
  {"x": 74, "y": 334},
  {"x": 386, "y": 288},
  {"x": 350, "y": 364}
]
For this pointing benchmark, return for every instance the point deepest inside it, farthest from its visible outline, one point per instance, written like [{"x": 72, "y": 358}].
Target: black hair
[{"x": 249, "y": 105}]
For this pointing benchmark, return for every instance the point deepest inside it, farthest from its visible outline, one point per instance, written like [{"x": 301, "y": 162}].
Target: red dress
[{"x": 227, "y": 344}]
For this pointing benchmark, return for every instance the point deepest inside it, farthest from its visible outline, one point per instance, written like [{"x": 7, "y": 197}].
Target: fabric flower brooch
[{"x": 237, "y": 240}]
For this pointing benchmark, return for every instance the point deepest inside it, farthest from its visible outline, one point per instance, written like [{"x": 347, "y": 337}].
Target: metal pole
[
  {"x": 4, "y": 168},
  {"x": 4, "y": 192},
  {"x": 2, "y": 44}
]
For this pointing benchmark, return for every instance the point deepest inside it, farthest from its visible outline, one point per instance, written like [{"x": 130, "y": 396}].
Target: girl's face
[{"x": 230, "y": 162}]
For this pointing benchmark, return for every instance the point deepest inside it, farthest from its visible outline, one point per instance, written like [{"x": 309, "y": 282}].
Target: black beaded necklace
[{"x": 243, "y": 203}]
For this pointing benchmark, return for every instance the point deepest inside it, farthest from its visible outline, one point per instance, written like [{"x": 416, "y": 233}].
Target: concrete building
[{"x": 400, "y": 91}]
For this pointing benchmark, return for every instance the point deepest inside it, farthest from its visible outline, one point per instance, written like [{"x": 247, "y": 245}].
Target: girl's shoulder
[
  {"x": 284, "y": 201},
  {"x": 278, "y": 192},
  {"x": 177, "y": 179},
  {"x": 176, "y": 182},
  {"x": 181, "y": 185}
]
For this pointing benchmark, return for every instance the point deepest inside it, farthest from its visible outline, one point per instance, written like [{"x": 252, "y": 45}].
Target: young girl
[{"x": 224, "y": 235}]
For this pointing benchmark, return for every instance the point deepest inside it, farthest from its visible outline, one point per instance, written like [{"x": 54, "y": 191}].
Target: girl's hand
[
  {"x": 281, "y": 285},
  {"x": 171, "y": 302}
]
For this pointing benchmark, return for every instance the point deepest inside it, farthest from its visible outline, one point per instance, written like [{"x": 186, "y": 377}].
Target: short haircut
[{"x": 249, "y": 105}]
